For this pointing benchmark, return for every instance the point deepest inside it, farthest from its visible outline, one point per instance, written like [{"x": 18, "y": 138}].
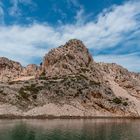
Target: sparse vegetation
[
  {"x": 42, "y": 76},
  {"x": 125, "y": 103},
  {"x": 23, "y": 93},
  {"x": 117, "y": 100},
  {"x": 31, "y": 90},
  {"x": 68, "y": 76},
  {"x": 11, "y": 82}
]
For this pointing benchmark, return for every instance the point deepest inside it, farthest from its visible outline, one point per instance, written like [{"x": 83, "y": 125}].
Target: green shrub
[
  {"x": 125, "y": 104},
  {"x": 42, "y": 76},
  {"x": 117, "y": 100},
  {"x": 23, "y": 93},
  {"x": 43, "y": 73},
  {"x": 32, "y": 89}
]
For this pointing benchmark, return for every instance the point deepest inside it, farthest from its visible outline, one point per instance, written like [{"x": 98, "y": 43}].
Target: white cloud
[
  {"x": 81, "y": 17},
  {"x": 111, "y": 28}
]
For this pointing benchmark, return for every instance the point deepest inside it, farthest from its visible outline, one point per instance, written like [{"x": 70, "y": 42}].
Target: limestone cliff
[
  {"x": 11, "y": 70},
  {"x": 69, "y": 83}
]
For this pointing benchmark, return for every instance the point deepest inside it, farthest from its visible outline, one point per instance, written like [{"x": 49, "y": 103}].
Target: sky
[{"x": 109, "y": 28}]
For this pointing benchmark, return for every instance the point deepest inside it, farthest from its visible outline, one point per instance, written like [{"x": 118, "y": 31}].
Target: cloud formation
[{"x": 116, "y": 25}]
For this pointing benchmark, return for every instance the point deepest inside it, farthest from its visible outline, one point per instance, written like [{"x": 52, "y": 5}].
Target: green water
[{"x": 97, "y": 129}]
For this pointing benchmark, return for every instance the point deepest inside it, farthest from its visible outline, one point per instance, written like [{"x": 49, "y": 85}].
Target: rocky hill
[
  {"x": 68, "y": 83},
  {"x": 67, "y": 59},
  {"x": 11, "y": 70}
]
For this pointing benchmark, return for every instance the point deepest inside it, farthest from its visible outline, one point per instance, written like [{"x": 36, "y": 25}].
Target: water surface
[{"x": 96, "y": 129}]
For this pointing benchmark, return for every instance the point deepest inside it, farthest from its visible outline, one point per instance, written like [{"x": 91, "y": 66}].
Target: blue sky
[{"x": 109, "y": 28}]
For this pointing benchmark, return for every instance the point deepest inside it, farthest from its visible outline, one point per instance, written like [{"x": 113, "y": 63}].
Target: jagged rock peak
[
  {"x": 67, "y": 59},
  {"x": 5, "y": 62},
  {"x": 30, "y": 70},
  {"x": 75, "y": 43}
]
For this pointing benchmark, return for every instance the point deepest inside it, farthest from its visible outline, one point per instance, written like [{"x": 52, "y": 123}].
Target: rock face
[
  {"x": 9, "y": 69},
  {"x": 67, "y": 59},
  {"x": 30, "y": 70},
  {"x": 130, "y": 81},
  {"x": 70, "y": 83}
]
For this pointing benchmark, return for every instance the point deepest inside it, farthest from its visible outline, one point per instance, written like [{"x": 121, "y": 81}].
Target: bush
[
  {"x": 43, "y": 73},
  {"x": 42, "y": 76},
  {"x": 125, "y": 104},
  {"x": 23, "y": 93},
  {"x": 32, "y": 89},
  {"x": 117, "y": 100},
  {"x": 27, "y": 91}
]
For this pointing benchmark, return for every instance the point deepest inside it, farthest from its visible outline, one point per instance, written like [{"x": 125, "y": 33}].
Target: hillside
[{"x": 68, "y": 83}]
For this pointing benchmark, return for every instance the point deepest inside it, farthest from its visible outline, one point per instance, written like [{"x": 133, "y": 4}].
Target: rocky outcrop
[
  {"x": 30, "y": 70},
  {"x": 70, "y": 83},
  {"x": 130, "y": 81},
  {"x": 9, "y": 69},
  {"x": 67, "y": 59}
]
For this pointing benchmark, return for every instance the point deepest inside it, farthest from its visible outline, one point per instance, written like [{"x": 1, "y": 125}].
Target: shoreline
[{"x": 43, "y": 117}]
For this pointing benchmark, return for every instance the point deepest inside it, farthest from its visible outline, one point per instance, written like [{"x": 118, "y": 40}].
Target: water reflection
[{"x": 97, "y": 129}]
